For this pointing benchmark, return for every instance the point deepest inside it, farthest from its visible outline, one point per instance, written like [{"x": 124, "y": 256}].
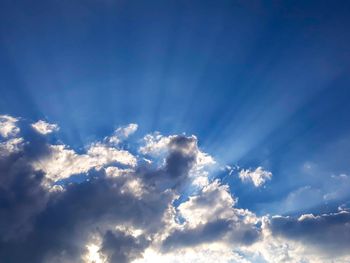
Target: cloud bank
[{"x": 155, "y": 204}]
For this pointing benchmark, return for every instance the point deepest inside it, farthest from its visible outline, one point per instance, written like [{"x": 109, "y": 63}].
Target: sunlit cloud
[
  {"x": 127, "y": 210},
  {"x": 44, "y": 127},
  {"x": 8, "y": 126},
  {"x": 258, "y": 176}
]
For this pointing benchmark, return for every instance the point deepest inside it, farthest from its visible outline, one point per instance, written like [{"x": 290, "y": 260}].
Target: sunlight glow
[{"x": 93, "y": 255}]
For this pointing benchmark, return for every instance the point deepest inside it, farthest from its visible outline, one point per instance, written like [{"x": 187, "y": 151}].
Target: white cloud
[
  {"x": 8, "y": 126},
  {"x": 11, "y": 146},
  {"x": 122, "y": 133},
  {"x": 258, "y": 176},
  {"x": 113, "y": 171},
  {"x": 214, "y": 202},
  {"x": 44, "y": 127},
  {"x": 64, "y": 162},
  {"x": 155, "y": 144},
  {"x": 102, "y": 154},
  {"x": 218, "y": 253},
  {"x": 210, "y": 219}
]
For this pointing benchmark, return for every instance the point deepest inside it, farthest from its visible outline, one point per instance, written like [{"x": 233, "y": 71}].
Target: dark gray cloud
[
  {"x": 330, "y": 233},
  {"x": 22, "y": 196},
  {"x": 203, "y": 233},
  {"x": 179, "y": 161},
  {"x": 70, "y": 217},
  {"x": 122, "y": 248},
  {"x": 225, "y": 230}
]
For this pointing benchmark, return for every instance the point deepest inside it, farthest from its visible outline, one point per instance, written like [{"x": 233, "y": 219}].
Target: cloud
[
  {"x": 155, "y": 144},
  {"x": 61, "y": 162},
  {"x": 11, "y": 146},
  {"x": 8, "y": 126},
  {"x": 211, "y": 216},
  {"x": 65, "y": 221},
  {"x": 130, "y": 211},
  {"x": 44, "y": 127},
  {"x": 307, "y": 238},
  {"x": 329, "y": 233},
  {"x": 120, "y": 247},
  {"x": 157, "y": 147},
  {"x": 122, "y": 133},
  {"x": 258, "y": 176},
  {"x": 200, "y": 254},
  {"x": 64, "y": 226},
  {"x": 21, "y": 194}
]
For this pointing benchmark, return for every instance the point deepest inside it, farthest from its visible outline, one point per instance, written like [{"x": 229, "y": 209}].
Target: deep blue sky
[{"x": 260, "y": 83}]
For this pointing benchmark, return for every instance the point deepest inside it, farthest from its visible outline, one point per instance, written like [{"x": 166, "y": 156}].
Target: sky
[{"x": 174, "y": 131}]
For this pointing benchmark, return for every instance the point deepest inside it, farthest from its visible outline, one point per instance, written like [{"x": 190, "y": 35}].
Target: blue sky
[{"x": 259, "y": 83}]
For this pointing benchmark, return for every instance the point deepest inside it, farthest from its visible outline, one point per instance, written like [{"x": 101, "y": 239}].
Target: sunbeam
[{"x": 174, "y": 131}]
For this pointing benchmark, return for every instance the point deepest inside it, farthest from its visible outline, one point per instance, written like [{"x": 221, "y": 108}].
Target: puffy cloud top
[
  {"x": 44, "y": 127},
  {"x": 258, "y": 176},
  {"x": 122, "y": 133},
  {"x": 8, "y": 126}
]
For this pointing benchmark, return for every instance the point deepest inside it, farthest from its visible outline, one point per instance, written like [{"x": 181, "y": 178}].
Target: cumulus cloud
[
  {"x": 258, "y": 176},
  {"x": 65, "y": 223},
  {"x": 156, "y": 146},
  {"x": 11, "y": 146},
  {"x": 8, "y": 126},
  {"x": 62, "y": 162},
  {"x": 211, "y": 216},
  {"x": 127, "y": 210},
  {"x": 122, "y": 133},
  {"x": 44, "y": 127},
  {"x": 121, "y": 247}
]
